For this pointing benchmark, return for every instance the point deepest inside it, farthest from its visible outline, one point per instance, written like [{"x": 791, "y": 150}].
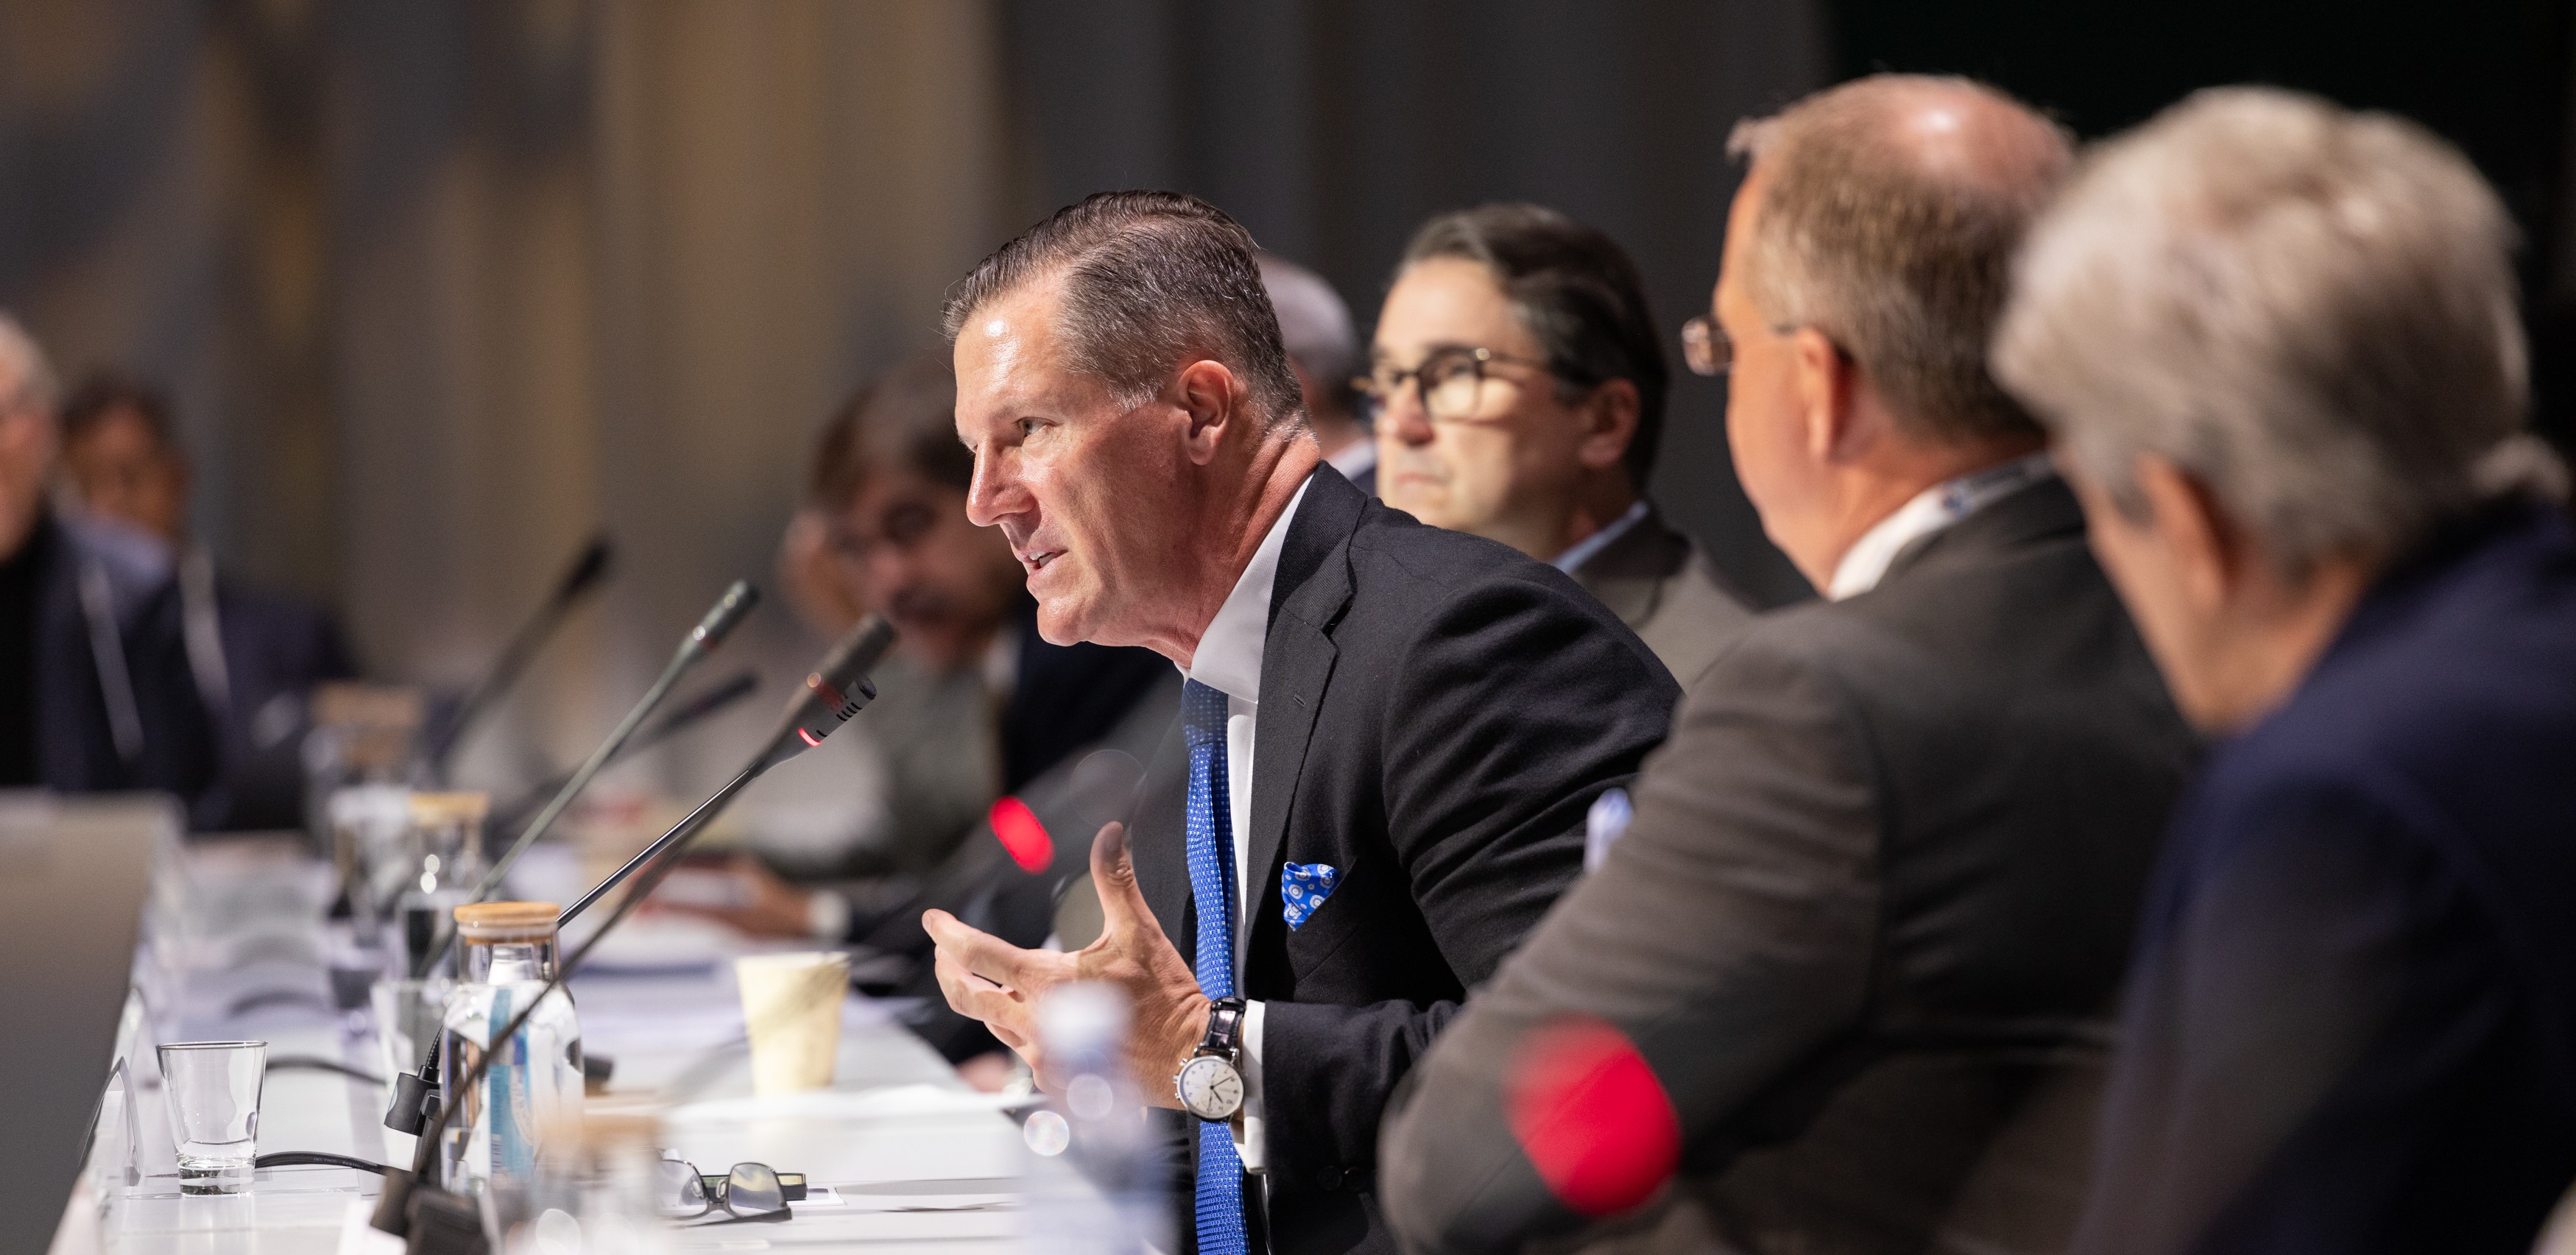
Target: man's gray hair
[
  {"x": 1150, "y": 281},
  {"x": 2309, "y": 310},
  {"x": 25, "y": 363},
  {"x": 1314, "y": 324},
  {"x": 1894, "y": 238}
]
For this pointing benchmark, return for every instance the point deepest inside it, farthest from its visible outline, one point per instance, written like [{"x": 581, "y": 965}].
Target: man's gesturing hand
[{"x": 1000, "y": 984}]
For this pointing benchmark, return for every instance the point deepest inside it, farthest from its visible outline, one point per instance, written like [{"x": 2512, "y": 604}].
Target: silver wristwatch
[{"x": 1209, "y": 1084}]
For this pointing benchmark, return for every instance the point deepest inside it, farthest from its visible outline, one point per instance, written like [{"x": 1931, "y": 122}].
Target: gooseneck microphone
[
  {"x": 836, "y": 690},
  {"x": 587, "y": 570},
  {"x": 413, "y": 1089},
  {"x": 719, "y": 622},
  {"x": 709, "y": 702}
]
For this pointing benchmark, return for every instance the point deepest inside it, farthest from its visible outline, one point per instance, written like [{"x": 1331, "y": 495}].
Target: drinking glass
[{"x": 213, "y": 1090}]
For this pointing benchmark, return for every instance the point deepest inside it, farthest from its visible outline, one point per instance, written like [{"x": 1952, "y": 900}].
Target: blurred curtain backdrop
[
  {"x": 1333, "y": 128},
  {"x": 444, "y": 288}
]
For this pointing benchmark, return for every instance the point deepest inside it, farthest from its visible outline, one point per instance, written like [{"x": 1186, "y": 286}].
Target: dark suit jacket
[
  {"x": 1069, "y": 698},
  {"x": 2352, "y": 1024},
  {"x": 1865, "y": 927},
  {"x": 1659, "y": 583},
  {"x": 1437, "y": 712},
  {"x": 76, "y": 745},
  {"x": 275, "y": 646}
]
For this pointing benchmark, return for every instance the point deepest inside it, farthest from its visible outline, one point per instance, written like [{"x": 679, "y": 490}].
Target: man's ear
[
  {"x": 2211, "y": 552},
  {"x": 1826, "y": 383},
  {"x": 1213, "y": 399},
  {"x": 1609, "y": 419}
]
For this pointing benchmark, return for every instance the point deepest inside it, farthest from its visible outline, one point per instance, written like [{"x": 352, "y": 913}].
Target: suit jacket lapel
[{"x": 1313, "y": 587}]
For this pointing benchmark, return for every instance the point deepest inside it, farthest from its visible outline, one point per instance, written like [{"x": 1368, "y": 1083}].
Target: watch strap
[{"x": 1225, "y": 1030}]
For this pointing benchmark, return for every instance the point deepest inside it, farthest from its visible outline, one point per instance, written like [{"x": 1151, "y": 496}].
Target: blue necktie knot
[{"x": 1203, "y": 714}]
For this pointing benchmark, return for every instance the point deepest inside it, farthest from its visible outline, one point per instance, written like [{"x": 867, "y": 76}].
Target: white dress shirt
[
  {"x": 1228, "y": 660},
  {"x": 1934, "y": 508}
]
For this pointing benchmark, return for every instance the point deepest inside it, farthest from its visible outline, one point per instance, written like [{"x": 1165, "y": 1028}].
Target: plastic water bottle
[
  {"x": 533, "y": 1089},
  {"x": 1093, "y": 1186}
]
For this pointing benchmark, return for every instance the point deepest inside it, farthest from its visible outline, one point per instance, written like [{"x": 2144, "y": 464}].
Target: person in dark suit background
[
  {"x": 1844, "y": 985},
  {"x": 1539, "y": 408},
  {"x": 1315, "y": 327},
  {"x": 2278, "y": 344},
  {"x": 1390, "y": 732},
  {"x": 95, "y": 693},
  {"x": 254, "y": 655}
]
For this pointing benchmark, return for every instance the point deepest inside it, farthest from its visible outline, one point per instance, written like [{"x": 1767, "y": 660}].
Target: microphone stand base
[{"x": 431, "y": 1221}]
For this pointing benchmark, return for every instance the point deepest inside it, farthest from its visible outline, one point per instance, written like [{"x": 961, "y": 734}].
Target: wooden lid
[
  {"x": 506, "y": 921},
  {"x": 449, "y": 808}
]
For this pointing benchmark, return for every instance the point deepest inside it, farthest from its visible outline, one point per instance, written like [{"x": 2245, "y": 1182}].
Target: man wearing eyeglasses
[
  {"x": 1844, "y": 985},
  {"x": 1520, "y": 396}
]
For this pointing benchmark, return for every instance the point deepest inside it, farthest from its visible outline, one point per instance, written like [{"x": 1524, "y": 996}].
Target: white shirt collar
[
  {"x": 1228, "y": 658},
  {"x": 1930, "y": 510},
  {"x": 1586, "y": 549},
  {"x": 1356, "y": 457}
]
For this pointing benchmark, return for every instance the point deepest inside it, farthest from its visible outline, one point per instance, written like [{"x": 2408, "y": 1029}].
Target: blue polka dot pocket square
[{"x": 1303, "y": 887}]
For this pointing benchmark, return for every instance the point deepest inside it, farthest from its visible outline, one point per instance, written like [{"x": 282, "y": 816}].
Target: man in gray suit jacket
[
  {"x": 1520, "y": 395},
  {"x": 1844, "y": 983}
]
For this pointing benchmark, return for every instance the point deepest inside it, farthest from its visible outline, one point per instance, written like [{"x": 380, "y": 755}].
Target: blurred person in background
[
  {"x": 1849, "y": 973},
  {"x": 1519, "y": 387},
  {"x": 1315, "y": 325},
  {"x": 95, "y": 689},
  {"x": 253, "y": 655},
  {"x": 2278, "y": 344},
  {"x": 973, "y": 705}
]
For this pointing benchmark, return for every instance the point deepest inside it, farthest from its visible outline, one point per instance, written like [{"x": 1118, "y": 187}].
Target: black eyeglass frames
[{"x": 1451, "y": 380}]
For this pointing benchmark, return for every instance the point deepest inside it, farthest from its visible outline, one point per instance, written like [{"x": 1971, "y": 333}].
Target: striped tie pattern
[{"x": 1219, "y": 1189}]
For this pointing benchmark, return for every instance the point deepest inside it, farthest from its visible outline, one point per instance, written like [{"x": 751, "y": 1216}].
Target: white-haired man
[
  {"x": 2278, "y": 344},
  {"x": 1848, "y": 972},
  {"x": 95, "y": 689}
]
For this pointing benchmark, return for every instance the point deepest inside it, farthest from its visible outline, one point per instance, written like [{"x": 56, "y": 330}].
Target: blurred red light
[
  {"x": 1022, "y": 835},
  {"x": 1592, "y": 1118}
]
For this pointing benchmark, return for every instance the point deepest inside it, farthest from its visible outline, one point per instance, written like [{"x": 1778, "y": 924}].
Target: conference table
[{"x": 900, "y": 1154}]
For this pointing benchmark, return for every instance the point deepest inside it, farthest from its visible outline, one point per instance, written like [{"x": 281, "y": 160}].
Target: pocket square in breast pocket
[{"x": 1303, "y": 887}]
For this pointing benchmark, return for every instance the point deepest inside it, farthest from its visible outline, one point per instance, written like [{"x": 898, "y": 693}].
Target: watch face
[{"x": 1211, "y": 1088}]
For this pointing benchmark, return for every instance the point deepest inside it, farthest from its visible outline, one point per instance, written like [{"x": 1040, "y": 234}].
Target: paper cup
[{"x": 791, "y": 1003}]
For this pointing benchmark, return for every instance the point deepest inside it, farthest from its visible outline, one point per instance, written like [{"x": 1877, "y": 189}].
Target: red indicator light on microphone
[
  {"x": 810, "y": 738},
  {"x": 1591, "y": 1116},
  {"x": 1022, "y": 835}
]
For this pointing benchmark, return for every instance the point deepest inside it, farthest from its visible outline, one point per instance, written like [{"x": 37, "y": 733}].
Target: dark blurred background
[{"x": 443, "y": 288}]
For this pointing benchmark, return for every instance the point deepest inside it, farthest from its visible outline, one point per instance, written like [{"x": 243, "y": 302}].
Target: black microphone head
[
  {"x": 837, "y": 689},
  {"x": 588, "y": 569},
  {"x": 726, "y": 615}
]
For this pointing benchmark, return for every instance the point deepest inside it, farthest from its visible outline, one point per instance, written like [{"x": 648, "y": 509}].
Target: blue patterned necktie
[{"x": 1219, "y": 1189}]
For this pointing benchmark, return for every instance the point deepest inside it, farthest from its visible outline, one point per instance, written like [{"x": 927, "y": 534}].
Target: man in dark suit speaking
[{"x": 1389, "y": 733}]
